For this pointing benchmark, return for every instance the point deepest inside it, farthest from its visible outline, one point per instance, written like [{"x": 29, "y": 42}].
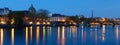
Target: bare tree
[{"x": 43, "y": 13}]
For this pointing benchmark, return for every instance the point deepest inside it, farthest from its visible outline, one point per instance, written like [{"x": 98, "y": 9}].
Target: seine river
[{"x": 61, "y": 35}]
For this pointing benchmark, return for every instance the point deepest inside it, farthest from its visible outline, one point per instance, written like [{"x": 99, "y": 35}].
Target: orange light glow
[
  {"x": 26, "y": 18},
  {"x": 31, "y": 33},
  {"x": 37, "y": 35},
  {"x": 12, "y": 36},
  {"x": 12, "y": 21},
  {"x": 3, "y": 22},
  {"x": 38, "y": 23},
  {"x": 117, "y": 32},
  {"x": 26, "y": 36},
  {"x": 74, "y": 23},
  {"x": 63, "y": 35},
  {"x": 48, "y": 22},
  {"x": 58, "y": 35},
  {"x": 63, "y": 20},
  {"x": 2, "y": 36},
  {"x": 73, "y": 29},
  {"x": 93, "y": 23},
  {"x": 31, "y": 22},
  {"x": 43, "y": 22}
]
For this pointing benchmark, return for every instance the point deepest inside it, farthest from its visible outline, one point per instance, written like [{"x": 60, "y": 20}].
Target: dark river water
[{"x": 61, "y": 35}]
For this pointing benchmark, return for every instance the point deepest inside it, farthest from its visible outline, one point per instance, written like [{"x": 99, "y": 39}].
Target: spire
[
  {"x": 31, "y": 6},
  {"x": 32, "y": 9}
]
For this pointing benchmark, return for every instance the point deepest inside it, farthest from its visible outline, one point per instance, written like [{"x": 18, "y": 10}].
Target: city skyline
[{"x": 101, "y": 8}]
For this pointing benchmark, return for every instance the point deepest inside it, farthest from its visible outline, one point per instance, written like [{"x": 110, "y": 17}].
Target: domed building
[{"x": 32, "y": 9}]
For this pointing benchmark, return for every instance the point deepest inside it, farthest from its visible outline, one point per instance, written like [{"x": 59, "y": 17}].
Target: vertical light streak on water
[
  {"x": 70, "y": 33},
  {"x": 91, "y": 35},
  {"x": 117, "y": 35},
  {"x": 63, "y": 35},
  {"x": 26, "y": 36},
  {"x": 2, "y": 36},
  {"x": 50, "y": 31},
  {"x": 82, "y": 36},
  {"x": 96, "y": 38},
  {"x": 58, "y": 35},
  {"x": 12, "y": 36},
  {"x": 103, "y": 33},
  {"x": 44, "y": 33},
  {"x": 117, "y": 32},
  {"x": 37, "y": 35},
  {"x": 74, "y": 34},
  {"x": 31, "y": 34},
  {"x": 73, "y": 28}
]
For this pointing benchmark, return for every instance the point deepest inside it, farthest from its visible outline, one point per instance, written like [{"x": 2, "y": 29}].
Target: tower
[{"x": 32, "y": 9}]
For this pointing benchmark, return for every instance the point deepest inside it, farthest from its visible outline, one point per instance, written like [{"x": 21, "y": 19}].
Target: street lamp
[
  {"x": 31, "y": 22},
  {"x": 2, "y": 22}
]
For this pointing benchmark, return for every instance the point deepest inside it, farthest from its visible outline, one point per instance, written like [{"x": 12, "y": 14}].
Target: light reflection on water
[
  {"x": 61, "y": 35},
  {"x": 2, "y": 36},
  {"x": 31, "y": 34},
  {"x": 12, "y": 36},
  {"x": 37, "y": 35},
  {"x": 74, "y": 31},
  {"x": 44, "y": 34},
  {"x": 117, "y": 35},
  {"x": 103, "y": 33},
  {"x": 58, "y": 35},
  {"x": 117, "y": 32},
  {"x": 26, "y": 36}
]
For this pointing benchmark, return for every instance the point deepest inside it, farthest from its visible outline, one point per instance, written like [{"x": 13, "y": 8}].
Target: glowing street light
[
  {"x": 48, "y": 22},
  {"x": 63, "y": 20},
  {"x": 74, "y": 23},
  {"x": 3, "y": 22},
  {"x": 43, "y": 22},
  {"x": 31, "y": 22},
  {"x": 12, "y": 21},
  {"x": 26, "y": 18},
  {"x": 38, "y": 23}
]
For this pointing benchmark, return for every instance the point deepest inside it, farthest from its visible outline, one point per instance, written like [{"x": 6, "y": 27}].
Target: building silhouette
[
  {"x": 32, "y": 9},
  {"x": 4, "y": 11}
]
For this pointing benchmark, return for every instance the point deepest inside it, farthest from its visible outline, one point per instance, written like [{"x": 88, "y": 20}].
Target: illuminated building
[{"x": 58, "y": 18}]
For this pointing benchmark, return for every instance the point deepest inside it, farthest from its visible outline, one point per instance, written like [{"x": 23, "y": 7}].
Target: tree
[
  {"x": 17, "y": 16},
  {"x": 43, "y": 13},
  {"x": 73, "y": 18}
]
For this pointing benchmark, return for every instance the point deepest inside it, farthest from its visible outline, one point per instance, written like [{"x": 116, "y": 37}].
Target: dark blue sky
[{"x": 102, "y": 8}]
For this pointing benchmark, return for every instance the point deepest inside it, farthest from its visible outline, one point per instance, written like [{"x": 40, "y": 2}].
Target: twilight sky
[{"x": 102, "y": 8}]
